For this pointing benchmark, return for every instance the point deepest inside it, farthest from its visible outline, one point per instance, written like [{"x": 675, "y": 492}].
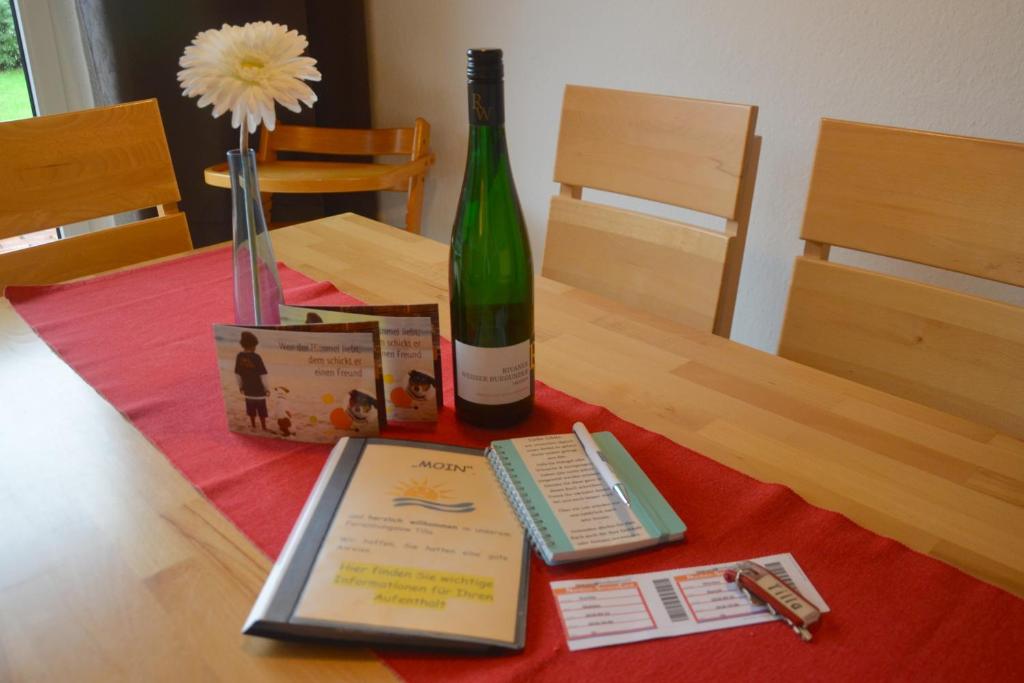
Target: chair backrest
[
  {"x": 412, "y": 142},
  {"x": 694, "y": 154},
  {"x": 950, "y": 202},
  {"x": 61, "y": 169}
]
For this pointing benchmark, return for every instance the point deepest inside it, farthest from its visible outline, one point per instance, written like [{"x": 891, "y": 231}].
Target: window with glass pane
[{"x": 15, "y": 101}]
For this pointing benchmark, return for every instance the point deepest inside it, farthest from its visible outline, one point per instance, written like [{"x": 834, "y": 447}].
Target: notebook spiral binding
[{"x": 540, "y": 536}]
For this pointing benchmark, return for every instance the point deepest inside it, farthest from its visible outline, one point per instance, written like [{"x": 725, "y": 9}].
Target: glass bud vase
[{"x": 257, "y": 284}]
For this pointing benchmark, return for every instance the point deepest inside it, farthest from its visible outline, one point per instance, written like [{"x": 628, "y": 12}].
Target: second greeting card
[{"x": 410, "y": 352}]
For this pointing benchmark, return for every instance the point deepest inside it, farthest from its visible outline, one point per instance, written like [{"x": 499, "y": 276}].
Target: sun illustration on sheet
[
  {"x": 422, "y": 493},
  {"x": 422, "y": 488}
]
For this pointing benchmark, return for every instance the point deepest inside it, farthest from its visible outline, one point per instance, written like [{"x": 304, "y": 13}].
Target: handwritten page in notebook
[{"x": 588, "y": 511}]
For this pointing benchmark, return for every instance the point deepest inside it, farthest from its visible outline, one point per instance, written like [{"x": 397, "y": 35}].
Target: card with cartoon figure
[
  {"x": 315, "y": 383},
  {"x": 410, "y": 352}
]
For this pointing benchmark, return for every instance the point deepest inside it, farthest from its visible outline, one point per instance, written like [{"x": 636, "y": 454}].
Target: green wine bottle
[{"x": 490, "y": 269}]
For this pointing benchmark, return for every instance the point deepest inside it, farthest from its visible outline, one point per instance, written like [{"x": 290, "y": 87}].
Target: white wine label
[{"x": 493, "y": 376}]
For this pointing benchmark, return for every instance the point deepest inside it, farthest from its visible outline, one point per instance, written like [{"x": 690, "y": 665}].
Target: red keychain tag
[{"x": 763, "y": 587}]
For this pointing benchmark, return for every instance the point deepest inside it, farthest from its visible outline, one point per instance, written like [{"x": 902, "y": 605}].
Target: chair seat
[{"x": 325, "y": 176}]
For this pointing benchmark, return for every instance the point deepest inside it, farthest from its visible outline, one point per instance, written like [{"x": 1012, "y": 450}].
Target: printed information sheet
[
  {"x": 424, "y": 541},
  {"x": 676, "y": 602}
]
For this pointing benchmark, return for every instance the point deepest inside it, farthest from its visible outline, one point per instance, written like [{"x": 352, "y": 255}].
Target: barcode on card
[
  {"x": 779, "y": 571},
  {"x": 670, "y": 599}
]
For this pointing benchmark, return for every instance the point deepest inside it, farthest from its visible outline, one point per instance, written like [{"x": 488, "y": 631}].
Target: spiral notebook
[{"x": 566, "y": 508}]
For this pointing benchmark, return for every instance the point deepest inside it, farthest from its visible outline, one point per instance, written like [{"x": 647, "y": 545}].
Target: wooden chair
[
  {"x": 694, "y": 154},
  {"x": 58, "y": 170},
  {"x": 289, "y": 176},
  {"x": 951, "y": 202}
]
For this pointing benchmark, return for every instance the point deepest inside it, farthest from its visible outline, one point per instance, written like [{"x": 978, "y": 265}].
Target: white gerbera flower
[{"x": 246, "y": 69}]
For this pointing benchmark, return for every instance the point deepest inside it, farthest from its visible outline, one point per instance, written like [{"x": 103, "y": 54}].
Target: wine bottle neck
[
  {"x": 486, "y": 103},
  {"x": 488, "y": 152}
]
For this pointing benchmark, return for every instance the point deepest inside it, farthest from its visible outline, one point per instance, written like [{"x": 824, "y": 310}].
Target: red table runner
[{"x": 143, "y": 339}]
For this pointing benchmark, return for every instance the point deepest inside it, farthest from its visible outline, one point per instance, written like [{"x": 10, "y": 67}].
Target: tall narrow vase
[{"x": 257, "y": 284}]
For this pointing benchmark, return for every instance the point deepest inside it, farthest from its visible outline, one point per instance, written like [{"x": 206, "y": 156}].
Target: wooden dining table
[{"x": 114, "y": 567}]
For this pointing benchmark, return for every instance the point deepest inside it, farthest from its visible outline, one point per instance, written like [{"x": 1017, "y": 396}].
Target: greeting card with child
[{"x": 303, "y": 382}]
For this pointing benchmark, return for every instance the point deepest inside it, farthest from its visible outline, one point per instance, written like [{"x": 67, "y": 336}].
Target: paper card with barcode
[{"x": 676, "y": 602}]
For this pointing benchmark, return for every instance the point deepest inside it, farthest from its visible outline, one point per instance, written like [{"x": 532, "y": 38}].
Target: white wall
[{"x": 948, "y": 65}]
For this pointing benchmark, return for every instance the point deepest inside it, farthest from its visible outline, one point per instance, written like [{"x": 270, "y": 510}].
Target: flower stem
[{"x": 247, "y": 183}]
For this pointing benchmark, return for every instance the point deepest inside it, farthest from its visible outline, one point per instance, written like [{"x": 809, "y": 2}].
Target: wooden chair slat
[
  {"x": 342, "y": 141},
  {"x": 678, "y": 151},
  {"x": 946, "y": 201},
  {"x": 613, "y": 252},
  {"x": 96, "y": 252},
  {"x": 952, "y": 351},
  {"x": 67, "y": 168}
]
